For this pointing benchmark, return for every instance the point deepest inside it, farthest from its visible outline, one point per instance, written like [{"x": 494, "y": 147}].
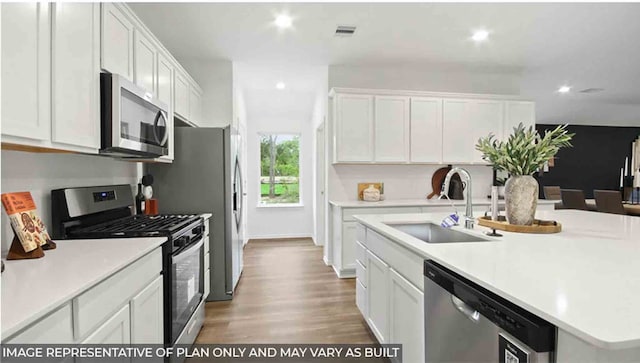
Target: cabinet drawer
[
  {"x": 348, "y": 213},
  {"x": 56, "y": 328},
  {"x": 361, "y": 253},
  {"x": 405, "y": 262},
  {"x": 361, "y": 296},
  {"x": 361, "y": 273},
  {"x": 100, "y": 302},
  {"x": 361, "y": 233}
]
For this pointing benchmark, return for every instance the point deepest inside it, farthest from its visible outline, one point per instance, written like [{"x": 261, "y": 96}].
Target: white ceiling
[{"x": 584, "y": 45}]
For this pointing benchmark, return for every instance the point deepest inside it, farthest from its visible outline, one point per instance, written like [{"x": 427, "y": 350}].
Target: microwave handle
[{"x": 164, "y": 140}]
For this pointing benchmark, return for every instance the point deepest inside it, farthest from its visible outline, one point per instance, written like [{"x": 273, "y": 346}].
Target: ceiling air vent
[
  {"x": 345, "y": 30},
  {"x": 592, "y": 90}
]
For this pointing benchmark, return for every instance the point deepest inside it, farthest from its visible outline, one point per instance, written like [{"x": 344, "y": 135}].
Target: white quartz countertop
[
  {"x": 417, "y": 202},
  {"x": 585, "y": 279},
  {"x": 33, "y": 288}
]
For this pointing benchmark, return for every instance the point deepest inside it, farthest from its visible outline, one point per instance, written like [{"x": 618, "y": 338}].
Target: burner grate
[{"x": 138, "y": 224}]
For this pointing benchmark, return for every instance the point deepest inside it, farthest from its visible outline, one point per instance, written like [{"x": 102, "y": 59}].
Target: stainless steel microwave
[{"x": 133, "y": 122}]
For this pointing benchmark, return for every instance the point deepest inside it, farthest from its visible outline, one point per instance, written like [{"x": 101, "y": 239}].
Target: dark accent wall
[{"x": 594, "y": 161}]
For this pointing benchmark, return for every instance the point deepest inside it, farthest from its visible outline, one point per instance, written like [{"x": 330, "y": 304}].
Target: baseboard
[
  {"x": 284, "y": 235},
  {"x": 345, "y": 273},
  {"x": 326, "y": 261}
]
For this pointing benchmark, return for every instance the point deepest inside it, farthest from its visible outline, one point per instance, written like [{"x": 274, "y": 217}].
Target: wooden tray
[{"x": 538, "y": 226}]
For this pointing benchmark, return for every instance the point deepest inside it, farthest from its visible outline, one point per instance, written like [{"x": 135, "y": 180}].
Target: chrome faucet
[{"x": 468, "y": 214}]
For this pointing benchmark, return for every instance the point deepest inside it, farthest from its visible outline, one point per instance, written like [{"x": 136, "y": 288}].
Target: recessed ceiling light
[
  {"x": 564, "y": 89},
  {"x": 280, "y": 85},
  {"x": 283, "y": 21},
  {"x": 480, "y": 35}
]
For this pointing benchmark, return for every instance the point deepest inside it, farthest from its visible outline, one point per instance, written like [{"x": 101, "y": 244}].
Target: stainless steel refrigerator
[{"x": 205, "y": 177}]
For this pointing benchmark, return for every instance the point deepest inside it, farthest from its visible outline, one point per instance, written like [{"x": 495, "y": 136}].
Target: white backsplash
[
  {"x": 40, "y": 173},
  {"x": 400, "y": 181}
]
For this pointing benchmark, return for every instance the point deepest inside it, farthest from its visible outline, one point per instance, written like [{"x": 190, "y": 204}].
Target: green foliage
[
  {"x": 287, "y": 156},
  {"x": 525, "y": 151}
]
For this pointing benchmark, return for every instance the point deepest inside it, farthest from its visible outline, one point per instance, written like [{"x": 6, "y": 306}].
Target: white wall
[
  {"x": 411, "y": 181},
  {"x": 274, "y": 222},
  {"x": 40, "y": 173},
  {"x": 216, "y": 79},
  {"x": 296, "y": 109}
]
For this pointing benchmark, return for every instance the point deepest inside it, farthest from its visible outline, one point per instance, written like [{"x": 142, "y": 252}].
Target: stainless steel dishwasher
[{"x": 467, "y": 323}]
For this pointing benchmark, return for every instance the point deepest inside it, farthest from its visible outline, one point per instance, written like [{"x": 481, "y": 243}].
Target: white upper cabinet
[
  {"x": 117, "y": 41},
  {"x": 486, "y": 118},
  {"x": 195, "y": 105},
  {"x": 164, "y": 92},
  {"x": 517, "y": 112},
  {"x": 456, "y": 140},
  {"x": 353, "y": 127},
  {"x": 405, "y": 127},
  {"x": 26, "y": 73},
  {"x": 76, "y": 74},
  {"x": 144, "y": 70},
  {"x": 181, "y": 95},
  {"x": 391, "y": 129},
  {"x": 426, "y": 129}
]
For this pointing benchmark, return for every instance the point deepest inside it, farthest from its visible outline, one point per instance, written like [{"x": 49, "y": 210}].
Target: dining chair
[
  {"x": 552, "y": 192},
  {"x": 609, "y": 201},
  {"x": 573, "y": 199}
]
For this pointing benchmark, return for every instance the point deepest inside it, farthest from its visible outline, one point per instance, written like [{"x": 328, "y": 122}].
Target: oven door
[
  {"x": 134, "y": 123},
  {"x": 187, "y": 285}
]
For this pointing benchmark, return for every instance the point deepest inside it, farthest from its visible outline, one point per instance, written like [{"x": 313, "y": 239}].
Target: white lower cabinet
[
  {"x": 377, "y": 297},
  {"x": 115, "y": 331},
  {"x": 126, "y": 307},
  {"x": 391, "y": 304},
  {"x": 147, "y": 316},
  {"x": 406, "y": 317}
]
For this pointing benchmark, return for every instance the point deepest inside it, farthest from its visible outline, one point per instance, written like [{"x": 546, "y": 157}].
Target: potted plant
[{"x": 521, "y": 155}]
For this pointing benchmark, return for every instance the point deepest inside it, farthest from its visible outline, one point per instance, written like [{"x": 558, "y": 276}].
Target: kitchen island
[
  {"x": 339, "y": 252},
  {"x": 584, "y": 280}
]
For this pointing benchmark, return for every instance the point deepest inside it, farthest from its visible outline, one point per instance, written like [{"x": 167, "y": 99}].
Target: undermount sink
[{"x": 433, "y": 233}]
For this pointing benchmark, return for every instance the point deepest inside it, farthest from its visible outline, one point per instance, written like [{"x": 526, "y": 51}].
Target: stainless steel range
[{"x": 107, "y": 212}]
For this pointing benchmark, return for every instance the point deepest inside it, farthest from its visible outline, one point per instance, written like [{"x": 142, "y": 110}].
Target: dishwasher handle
[{"x": 466, "y": 310}]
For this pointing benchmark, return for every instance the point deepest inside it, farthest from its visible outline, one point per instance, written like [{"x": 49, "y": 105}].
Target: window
[{"x": 279, "y": 169}]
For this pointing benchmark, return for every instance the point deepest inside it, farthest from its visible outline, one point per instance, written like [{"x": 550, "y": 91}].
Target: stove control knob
[{"x": 181, "y": 242}]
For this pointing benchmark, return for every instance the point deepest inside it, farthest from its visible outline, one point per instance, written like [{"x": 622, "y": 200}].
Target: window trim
[{"x": 298, "y": 204}]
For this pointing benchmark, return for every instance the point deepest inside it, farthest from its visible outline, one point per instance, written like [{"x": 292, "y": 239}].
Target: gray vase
[{"x": 521, "y": 199}]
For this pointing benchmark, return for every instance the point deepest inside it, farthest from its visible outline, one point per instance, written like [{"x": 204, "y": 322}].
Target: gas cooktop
[{"x": 137, "y": 226}]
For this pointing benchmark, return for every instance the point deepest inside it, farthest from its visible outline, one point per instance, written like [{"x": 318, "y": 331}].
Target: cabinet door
[
  {"x": 391, "y": 129},
  {"x": 349, "y": 245},
  {"x": 76, "y": 74},
  {"x": 181, "y": 95},
  {"x": 517, "y": 112},
  {"x": 164, "y": 92},
  {"x": 486, "y": 118},
  {"x": 194, "y": 105},
  {"x": 117, "y": 42},
  {"x": 456, "y": 143},
  {"x": 26, "y": 72},
  {"x": 361, "y": 299},
  {"x": 353, "y": 128},
  {"x": 116, "y": 330},
  {"x": 406, "y": 317},
  {"x": 378, "y": 297},
  {"x": 144, "y": 70},
  {"x": 426, "y": 130},
  {"x": 147, "y": 315}
]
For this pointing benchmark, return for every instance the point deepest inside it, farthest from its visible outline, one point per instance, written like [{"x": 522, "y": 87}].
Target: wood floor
[{"x": 286, "y": 295}]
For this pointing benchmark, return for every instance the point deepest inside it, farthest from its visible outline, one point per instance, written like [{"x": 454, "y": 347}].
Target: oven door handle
[{"x": 186, "y": 253}]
